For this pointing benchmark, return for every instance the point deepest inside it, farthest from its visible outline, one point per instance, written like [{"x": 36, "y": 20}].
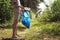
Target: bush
[
  {"x": 55, "y": 11},
  {"x": 52, "y": 15},
  {"x": 44, "y": 17},
  {"x": 6, "y": 13}
]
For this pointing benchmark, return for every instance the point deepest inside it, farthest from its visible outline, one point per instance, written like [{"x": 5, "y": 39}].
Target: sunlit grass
[{"x": 5, "y": 32}]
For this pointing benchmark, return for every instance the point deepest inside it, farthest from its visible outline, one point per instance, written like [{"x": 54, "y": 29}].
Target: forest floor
[{"x": 34, "y": 33}]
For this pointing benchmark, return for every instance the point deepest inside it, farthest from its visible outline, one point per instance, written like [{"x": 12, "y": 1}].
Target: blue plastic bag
[{"x": 26, "y": 18}]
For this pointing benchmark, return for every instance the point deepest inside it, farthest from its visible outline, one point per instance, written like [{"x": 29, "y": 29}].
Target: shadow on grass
[{"x": 20, "y": 28}]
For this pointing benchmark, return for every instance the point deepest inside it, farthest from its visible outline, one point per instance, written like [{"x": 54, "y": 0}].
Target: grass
[
  {"x": 37, "y": 31},
  {"x": 44, "y": 31}
]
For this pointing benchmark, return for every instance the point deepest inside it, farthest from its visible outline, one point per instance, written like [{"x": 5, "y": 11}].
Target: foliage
[
  {"x": 44, "y": 17},
  {"x": 53, "y": 14},
  {"x": 55, "y": 11},
  {"x": 30, "y": 3},
  {"x": 6, "y": 12},
  {"x": 52, "y": 28}
]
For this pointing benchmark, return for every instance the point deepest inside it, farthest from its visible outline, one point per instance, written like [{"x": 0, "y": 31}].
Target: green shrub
[
  {"x": 52, "y": 15},
  {"x": 6, "y": 13},
  {"x": 55, "y": 11},
  {"x": 44, "y": 17}
]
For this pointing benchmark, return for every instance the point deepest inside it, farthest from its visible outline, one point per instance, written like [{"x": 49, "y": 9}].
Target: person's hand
[
  {"x": 27, "y": 8},
  {"x": 22, "y": 8}
]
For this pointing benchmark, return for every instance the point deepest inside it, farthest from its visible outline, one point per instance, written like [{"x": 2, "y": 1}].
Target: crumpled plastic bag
[{"x": 26, "y": 18}]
